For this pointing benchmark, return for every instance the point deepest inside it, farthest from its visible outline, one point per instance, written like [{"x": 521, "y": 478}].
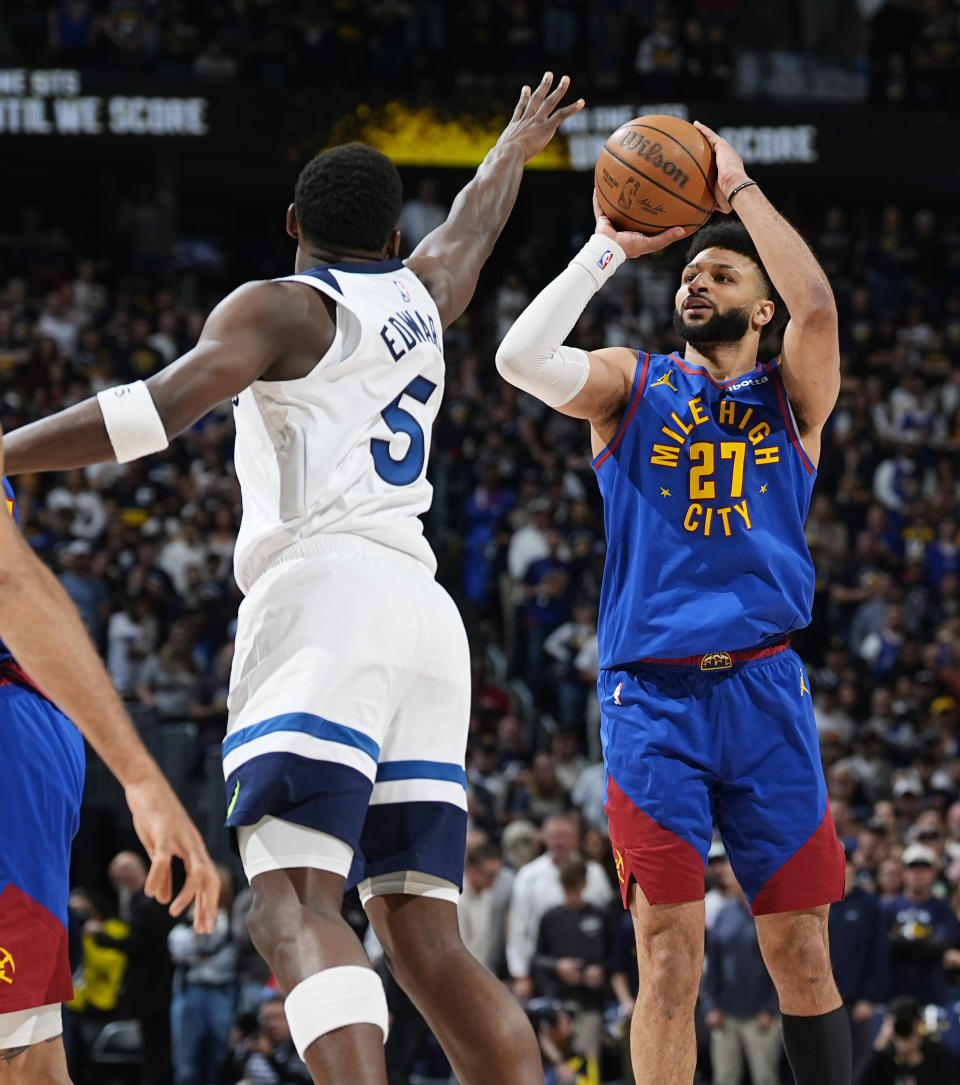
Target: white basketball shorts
[{"x": 348, "y": 713}]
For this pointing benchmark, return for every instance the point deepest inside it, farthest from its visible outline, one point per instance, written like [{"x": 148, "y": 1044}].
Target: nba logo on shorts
[
  {"x": 404, "y": 292},
  {"x": 605, "y": 259}
]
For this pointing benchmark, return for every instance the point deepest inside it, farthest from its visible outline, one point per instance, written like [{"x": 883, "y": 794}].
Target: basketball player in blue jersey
[
  {"x": 349, "y": 700},
  {"x": 706, "y": 460},
  {"x": 45, "y": 648}
]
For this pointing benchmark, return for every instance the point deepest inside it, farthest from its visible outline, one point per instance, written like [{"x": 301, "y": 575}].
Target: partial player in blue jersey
[
  {"x": 706, "y": 460},
  {"x": 47, "y": 663}
]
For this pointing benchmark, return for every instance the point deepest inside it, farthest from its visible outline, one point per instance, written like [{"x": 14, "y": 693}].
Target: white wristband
[
  {"x": 133, "y": 422},
  {"x": 600, "y": 257}
]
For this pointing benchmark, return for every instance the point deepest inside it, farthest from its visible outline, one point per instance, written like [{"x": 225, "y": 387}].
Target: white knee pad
[{"x": 332, "y": 999}]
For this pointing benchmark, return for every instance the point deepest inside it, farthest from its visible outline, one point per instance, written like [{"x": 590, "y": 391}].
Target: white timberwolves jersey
[{"x": 344, "y": 449}]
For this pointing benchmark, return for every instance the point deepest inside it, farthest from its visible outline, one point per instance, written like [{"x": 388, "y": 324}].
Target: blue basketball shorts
[
  {"x": 728, "y": 739},
  {"x": 43, "y": 771}
]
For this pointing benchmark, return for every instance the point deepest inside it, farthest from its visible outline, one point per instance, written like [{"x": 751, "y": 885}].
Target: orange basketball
[{"x": 654, "y": 173}]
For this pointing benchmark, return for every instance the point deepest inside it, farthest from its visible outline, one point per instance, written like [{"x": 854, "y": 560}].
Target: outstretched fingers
[
  {"x": 540, "y": 92},
  {"x": 521, "y": 107}
]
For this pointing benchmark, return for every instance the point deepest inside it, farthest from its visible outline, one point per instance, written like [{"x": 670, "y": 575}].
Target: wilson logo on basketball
[{"x": 649, "y": 151}]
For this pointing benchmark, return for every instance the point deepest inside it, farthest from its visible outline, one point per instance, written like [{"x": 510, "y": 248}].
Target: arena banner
[
  {"x": 839, "y": 142},
  {"x": 56, "y": 102}
]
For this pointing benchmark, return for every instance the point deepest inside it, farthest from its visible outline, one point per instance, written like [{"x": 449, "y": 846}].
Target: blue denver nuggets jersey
[{"x": 705, "y": 489}]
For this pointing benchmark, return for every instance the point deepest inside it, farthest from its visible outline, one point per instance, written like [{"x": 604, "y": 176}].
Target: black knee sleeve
[{"x": 819, "y": 1048}]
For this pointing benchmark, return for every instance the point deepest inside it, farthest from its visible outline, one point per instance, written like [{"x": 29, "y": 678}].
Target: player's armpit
[
  {"x": 239, "y": 342},
  {"x": 241, "y": 339},
  {"x": 603, "y": 399}
]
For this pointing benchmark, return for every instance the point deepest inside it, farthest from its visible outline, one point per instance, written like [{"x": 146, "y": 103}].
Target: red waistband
[{"x": 720, "y": 661}]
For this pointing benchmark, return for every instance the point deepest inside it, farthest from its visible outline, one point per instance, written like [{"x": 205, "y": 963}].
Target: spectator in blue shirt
[
  {"x": 860, "y": 953},
  {"x": 921, "y": 927},
  {"x": 739, "y": 1000}
]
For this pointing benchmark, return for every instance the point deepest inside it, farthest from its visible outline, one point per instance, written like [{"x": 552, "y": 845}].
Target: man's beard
[{"x": 728, "y": 327}]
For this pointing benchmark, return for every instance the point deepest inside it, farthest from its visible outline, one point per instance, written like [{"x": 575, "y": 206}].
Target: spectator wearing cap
[
  {"x": 907, "y": 796},
  {"x": 921, "y": 927},
  {"x": 82, "y": 581},
  {"x": 860, "y": 953}
]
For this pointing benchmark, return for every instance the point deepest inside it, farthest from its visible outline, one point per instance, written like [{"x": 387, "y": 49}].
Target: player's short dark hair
[
  {"x": 349, "y": 197},
  {"x": 730, "y": 233}
]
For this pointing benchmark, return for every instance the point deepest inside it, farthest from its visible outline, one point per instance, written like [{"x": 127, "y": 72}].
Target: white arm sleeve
[{"x": 531, "y": 356}]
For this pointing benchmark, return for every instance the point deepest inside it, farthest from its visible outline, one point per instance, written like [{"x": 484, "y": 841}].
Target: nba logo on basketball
[
  {"x": 404, "y": 292},
  {"x": 605, "y": 259}
]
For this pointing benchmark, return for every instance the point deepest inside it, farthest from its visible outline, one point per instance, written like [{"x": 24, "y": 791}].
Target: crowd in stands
[
  {"x": 891, "y": 51},
  {"x": 144, "y": 550}
]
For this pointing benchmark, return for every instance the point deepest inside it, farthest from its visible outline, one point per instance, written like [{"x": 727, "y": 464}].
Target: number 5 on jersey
[{"x": 407, "y": 469}]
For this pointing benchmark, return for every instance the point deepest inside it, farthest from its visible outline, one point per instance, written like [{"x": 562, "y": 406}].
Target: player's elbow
[
  {"x": 508, "y": 362},
  {"x": 818, "y": 310}
]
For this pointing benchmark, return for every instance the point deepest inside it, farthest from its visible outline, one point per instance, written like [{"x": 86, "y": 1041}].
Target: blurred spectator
[
  {"x": 204, "y": 992},
  {"x": 146, "y": 988},
  {"x": 252, "y": 970},
  {"x": 537, "y": 888},
  {"x": 739, "y": 999},
  {"x": 98, "y": 980},
  {"x": 905, "y": 1051},
  {"x": 83, "y": 581},
  {"x": 269, "y": 1057},
  {"x": 477, "y": 906},
  {"x": 563, "y": 1062},
  {"x": 421, "y": 214},
  {"x": 921, "y": 927},
  {"x": 574, "y": 945},
  {"x": 860, "y": 953},
  {"x": 167, "y": 680}
]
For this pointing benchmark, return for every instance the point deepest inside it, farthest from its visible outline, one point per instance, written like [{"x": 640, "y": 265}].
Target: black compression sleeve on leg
[{"x": 819, "y": 1048}]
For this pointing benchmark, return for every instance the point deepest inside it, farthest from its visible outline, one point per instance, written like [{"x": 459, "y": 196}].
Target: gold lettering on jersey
[
  {"x": 699, "y": 518},
  {"x": 697, "y": 412},
  {"x": 680, "y": 425},
  {"x": 707, "y": 484},
  {"x": 665, "y": 456},
  {"x": 759, "y": 431},
  {"x": 742, "y": 509},
  {"x": 676, "y": 436}
]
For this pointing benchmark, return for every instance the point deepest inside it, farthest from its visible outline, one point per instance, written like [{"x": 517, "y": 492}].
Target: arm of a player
[
  {"x": 448, "y": 260},
  {"x": 240, "y": 340},
  {"x": 43, "y": 630},
  {"x": 594, "y": 385},
  {"x": 810, "y": 358}
]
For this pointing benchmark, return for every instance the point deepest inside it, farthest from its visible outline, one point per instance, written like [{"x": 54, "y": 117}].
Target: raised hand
[
  {"x": 633, "y": 243},
  {"x": 730, "y": 168},
  {"x": 537, "y": 118}
]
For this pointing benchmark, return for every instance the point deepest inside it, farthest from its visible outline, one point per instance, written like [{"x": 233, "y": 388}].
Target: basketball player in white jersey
[{"x": 350, "y": 691}]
